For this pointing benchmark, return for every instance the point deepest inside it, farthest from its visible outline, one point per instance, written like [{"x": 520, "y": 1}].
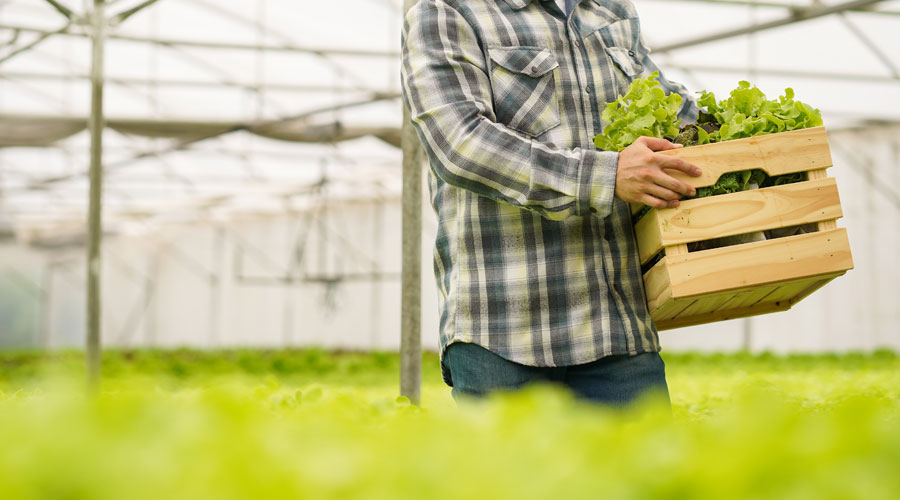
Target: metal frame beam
[
  {"x": 169, "y": 42},
  {"x": 183, "y": 144},
  {"x": 796, "y": 16},
  {"x": 818, "y": 75},
  {"x": 219, "y": 10},
  {"x": 62, "y": 9},
  {"x": 776, "y": 5},
  {"x": 125, "y": 81},
  {"x": 43, "y": 35},
  {"x": 871, "y": 45},
  {"x": 125, "y": 14}
]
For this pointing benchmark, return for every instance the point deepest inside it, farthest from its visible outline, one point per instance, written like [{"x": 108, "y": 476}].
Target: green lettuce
[
  {"x": 644, "y": 110},
  {"x": 747, "y": 113}
]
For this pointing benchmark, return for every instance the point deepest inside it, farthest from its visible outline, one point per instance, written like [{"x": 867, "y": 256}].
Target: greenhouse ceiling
[{"x": 219, "y": 109}]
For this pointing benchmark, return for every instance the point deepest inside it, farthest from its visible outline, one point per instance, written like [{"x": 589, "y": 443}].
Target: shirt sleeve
[{"x": 448, "y": 92}]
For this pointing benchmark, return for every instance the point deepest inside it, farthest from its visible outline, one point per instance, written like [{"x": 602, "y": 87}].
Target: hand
[{"x": 641, "y": 176}]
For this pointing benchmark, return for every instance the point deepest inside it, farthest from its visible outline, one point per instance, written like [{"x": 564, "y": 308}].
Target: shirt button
[
  {"x": 576, "y": 43},
  {"x": 534, "y": 70},
  {"x": 631, "y": 53},
  {"x": 588, "y": 90}
]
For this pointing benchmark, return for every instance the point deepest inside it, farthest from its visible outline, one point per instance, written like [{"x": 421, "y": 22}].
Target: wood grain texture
[
  {"x": 818, "y": 175},
  {"x": 744, "y": 212},
  {"x": 759, "y": 263},
  {"x": 703, "y": 305},
  {"x": 683, "y": 321},
  {"x": 740, "y": 303},
  {"x": 657, "y": 286},
  {"x": 671, "y": 308},
  {"x": 736, "y": 303},
  {"x": 715, "y": 301},
  {"x": 806, "y": 292},
  {"x": 747, "y": 298},
  {"x": 794, "y": 291},
  {"x": 677, "y": 249},
  {"x": 649, "y": 239},
  {"x": 776, "y": 154}
]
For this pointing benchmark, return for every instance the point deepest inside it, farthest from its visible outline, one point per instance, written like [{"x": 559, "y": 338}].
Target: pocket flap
[
  {"x": 531, "y": 61},
  {"x": 626, "y": 59}
]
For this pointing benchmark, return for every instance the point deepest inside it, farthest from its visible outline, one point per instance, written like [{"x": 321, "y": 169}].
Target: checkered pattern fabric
[{"x": 535, "y": 259}]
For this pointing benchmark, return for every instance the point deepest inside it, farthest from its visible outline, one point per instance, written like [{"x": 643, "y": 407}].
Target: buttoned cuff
[{"x": 597, "y": 183}]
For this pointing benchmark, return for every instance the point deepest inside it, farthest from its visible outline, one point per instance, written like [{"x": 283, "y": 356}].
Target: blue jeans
[{"x": 612, "y": 380}]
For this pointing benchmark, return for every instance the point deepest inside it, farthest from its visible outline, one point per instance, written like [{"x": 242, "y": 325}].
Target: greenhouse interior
[{"x": 242, "y": 191}]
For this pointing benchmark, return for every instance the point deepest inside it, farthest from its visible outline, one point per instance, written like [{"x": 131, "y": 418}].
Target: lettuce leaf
[
  {"x": 644, "y": 110},
  {"x": 747, "y": 113}
]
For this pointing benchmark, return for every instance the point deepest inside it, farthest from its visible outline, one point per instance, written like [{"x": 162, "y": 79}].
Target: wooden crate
[{"x": 689, "y": 288}]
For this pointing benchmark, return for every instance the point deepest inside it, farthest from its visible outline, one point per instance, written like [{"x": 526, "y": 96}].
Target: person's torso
[{"x": 504, "y": 273}]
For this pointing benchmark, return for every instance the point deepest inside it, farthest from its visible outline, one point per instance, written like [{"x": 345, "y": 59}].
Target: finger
[
  {"x": 650, "y": 201},
  {"x": 657, "y": 144},
  {"x": 668, "y": 182},
  {"x": 677, "y": 164},
  {"x": 662, "y": 193}
]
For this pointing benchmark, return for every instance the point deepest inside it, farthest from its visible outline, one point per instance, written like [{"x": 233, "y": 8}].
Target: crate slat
[
  {"x": 704, "y": 305},
  {"x": 700, "y": 319},
  {"x": 816, "y": 175},
  {"x": 671, "y": 309},
  {"x": 747, "y": 298},
  {"x": 783, "y": 153},
  {"x": 657, "y": 286},
  {"x": 750, "y": 302},
  {"x": 738, "y": 213},
  {"x": 813, "y": 286},
  {"x": 758, "y": 263}
]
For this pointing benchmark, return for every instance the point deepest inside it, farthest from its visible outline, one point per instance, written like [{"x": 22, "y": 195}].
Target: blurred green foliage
[
  {"x": 316, "y": 425},
  {"x": 188, "y": 366}
]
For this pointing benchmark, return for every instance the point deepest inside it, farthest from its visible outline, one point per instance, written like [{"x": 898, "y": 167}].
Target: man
[{"x": 535, "y": 258}]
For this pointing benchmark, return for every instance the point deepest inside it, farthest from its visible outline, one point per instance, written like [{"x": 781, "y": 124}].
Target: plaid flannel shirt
[{"x": 535, "y": 259}]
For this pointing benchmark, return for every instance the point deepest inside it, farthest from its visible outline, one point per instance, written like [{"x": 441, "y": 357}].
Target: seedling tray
[{"x": 687, "y": 288}]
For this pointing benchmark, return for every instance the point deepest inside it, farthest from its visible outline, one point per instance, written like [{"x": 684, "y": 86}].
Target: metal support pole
[
  {"x": 411, "y": 281},
  {"x": 95, "y": 222}
]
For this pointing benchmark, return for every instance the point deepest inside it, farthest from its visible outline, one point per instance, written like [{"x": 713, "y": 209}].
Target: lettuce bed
[{"x": 232, "y": 425}]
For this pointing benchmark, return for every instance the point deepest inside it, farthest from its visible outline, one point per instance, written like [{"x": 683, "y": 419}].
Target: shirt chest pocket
[
  {"x": 627, "y": 60},
  {"x": 623, "y": 45},
  {"x": 523, "y": 85}
]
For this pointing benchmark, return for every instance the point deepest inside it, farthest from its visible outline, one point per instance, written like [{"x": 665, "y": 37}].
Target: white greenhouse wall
[{"x": 264, "y": 281}]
